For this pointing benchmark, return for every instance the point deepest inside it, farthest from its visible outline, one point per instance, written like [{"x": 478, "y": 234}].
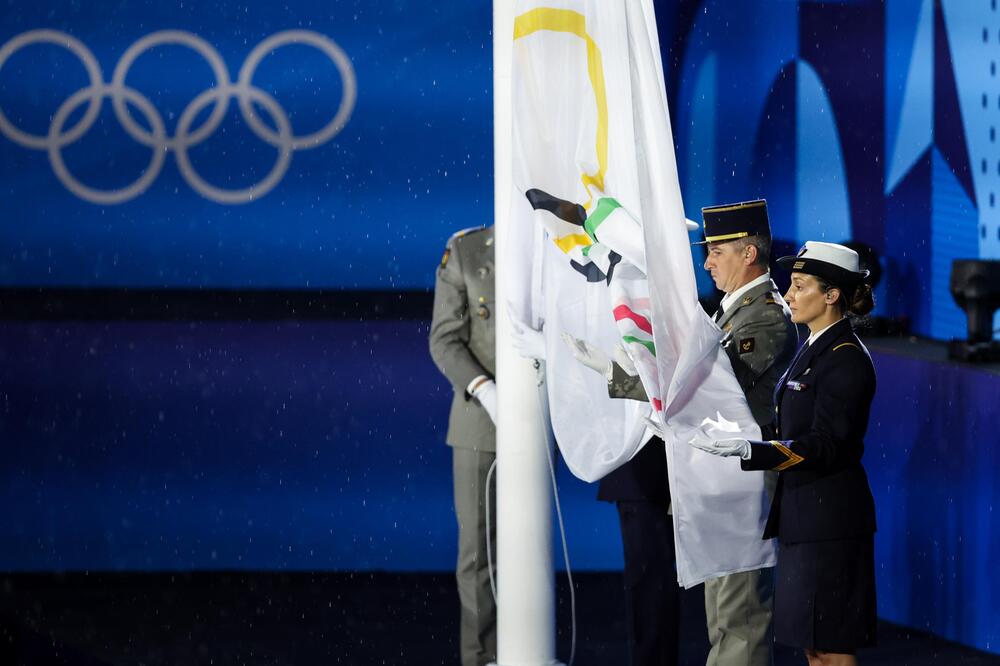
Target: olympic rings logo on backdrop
[{"x": 184, "y": 138}]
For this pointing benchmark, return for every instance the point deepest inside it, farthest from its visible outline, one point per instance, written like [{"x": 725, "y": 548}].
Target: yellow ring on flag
[
  {"x": 575, "y": 23},
  {"x": 567, "y": 243}
]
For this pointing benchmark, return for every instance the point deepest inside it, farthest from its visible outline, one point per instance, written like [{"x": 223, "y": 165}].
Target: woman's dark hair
[{"x": 855, "y": 301}]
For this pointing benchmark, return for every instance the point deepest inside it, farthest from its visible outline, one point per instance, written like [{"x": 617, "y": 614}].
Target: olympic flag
[{"x": 593, "y": 153}]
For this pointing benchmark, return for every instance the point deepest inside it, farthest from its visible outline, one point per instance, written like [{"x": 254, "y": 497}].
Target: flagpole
[{"x": 525, "y": 577}]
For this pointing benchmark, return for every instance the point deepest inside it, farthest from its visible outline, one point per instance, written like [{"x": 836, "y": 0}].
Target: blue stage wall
[
  {"x": 164, "y": 446},
  {"x": 932, "y": 455}
]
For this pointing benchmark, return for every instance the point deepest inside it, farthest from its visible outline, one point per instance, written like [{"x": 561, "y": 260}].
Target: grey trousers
[
  {"x": 478, "y": 634},
  {"x": 738, "y": 610}
]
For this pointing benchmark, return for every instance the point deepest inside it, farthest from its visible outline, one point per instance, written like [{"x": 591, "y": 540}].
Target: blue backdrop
[{"x": 368, "y": 208}]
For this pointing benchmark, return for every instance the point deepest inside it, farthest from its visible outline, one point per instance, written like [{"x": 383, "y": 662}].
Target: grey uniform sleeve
[
  {"x": 449, "y": 336},
  {"x": 624, "y": 385}
]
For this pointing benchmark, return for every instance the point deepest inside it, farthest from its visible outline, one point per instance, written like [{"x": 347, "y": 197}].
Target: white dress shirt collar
[
  {"x": 815, "y": 336},
  {"x": 730, "y": 299}
]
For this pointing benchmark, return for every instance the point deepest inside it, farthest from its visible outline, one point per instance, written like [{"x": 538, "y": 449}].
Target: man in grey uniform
[
  {"x": 760, "y": 341},
  {"x": 463, "y": 346}
]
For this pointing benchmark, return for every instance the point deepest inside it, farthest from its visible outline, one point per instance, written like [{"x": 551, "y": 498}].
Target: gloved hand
[
  {"x": 624, "y": 360},
  {"x": 723, "y": 447},
  {"x": 528, "y": 342},
  {"x": 588, "y": 354},
  {"x": 486, "y": 394}
]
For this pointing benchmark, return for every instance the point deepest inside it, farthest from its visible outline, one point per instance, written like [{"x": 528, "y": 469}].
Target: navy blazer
[{"x": 822, "y": 406}]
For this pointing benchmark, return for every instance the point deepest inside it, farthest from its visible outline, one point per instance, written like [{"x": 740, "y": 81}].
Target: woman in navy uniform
[{"x": 823, "y": 512}]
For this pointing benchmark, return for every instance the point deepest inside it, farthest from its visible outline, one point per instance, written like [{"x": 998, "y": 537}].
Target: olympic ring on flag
[{"x": 185, "y": 137}]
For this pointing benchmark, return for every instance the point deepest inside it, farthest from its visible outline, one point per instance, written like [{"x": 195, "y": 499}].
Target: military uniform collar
[
  {"x": 816, "y": 336},
  {"x": 729, "y": 301},
  {"x": 753, "y": 291},
  {"x": 828, "y": 335},
  {"x": 819, "y": 345}
]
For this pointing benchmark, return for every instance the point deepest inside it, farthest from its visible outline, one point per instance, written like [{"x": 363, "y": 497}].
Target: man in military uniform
[
  {"x": 760, "y": 341},
  {"x": 462, "y": 344}
]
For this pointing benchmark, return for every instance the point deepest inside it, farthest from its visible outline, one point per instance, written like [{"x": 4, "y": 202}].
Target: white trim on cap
[{"x": 831, "y": 253}]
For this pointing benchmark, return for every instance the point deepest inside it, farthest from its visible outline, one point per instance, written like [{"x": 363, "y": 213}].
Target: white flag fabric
[{"x": 598, "y": 249}]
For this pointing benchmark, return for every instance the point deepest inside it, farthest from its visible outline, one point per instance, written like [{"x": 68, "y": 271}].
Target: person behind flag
[
  {"x": 823, "y": 512},
  {"x": 463, "y": 346},
  {"x": 759, "y": 340}
]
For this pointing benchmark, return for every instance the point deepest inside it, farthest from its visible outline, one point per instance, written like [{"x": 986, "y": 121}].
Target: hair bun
[{"x": 862, "y": 302}]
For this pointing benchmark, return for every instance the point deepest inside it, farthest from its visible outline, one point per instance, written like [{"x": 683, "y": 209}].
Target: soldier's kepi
[{"x": 729, "y": 222}]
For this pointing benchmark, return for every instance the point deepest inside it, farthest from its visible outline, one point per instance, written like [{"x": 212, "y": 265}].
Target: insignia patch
[
  {"x": 444, "y": 258},
  {"x": 747, "y": 345},
  {"x": 796, "y": 386},
  {"x": 747, "y": 300},
  {"x": 797, "y": 265}
]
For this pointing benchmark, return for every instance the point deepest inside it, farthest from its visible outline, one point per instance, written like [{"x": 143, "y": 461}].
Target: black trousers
[{"x": 652, "y": 596}]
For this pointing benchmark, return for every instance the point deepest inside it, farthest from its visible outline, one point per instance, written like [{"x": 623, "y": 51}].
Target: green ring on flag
[{"x": 605, "y": 207}]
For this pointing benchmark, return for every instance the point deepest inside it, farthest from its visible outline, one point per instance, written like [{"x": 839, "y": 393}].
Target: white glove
[
  {"x": 486, "y": 394},
  {"x": 528, "y": 342},
  {"x": 723, "y": 447},
  {"x": 624, "y": 360},
  {"x": 588, "y": 354}
]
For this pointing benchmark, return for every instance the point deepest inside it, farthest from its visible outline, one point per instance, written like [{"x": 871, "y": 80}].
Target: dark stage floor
[{"x": 329, "y": 618}]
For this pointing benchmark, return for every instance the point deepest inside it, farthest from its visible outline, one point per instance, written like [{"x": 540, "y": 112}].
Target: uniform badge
[
  {"x": 747, "y": 300},
  {"x": 483, "y": 312},
  {"x": 444, "y": 259},
  {"x": 796, "y": 386},
  {"x": 747, "y": 345}
]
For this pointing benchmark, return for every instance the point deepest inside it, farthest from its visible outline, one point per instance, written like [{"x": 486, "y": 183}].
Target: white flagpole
[{"x": 525, "y": 577}]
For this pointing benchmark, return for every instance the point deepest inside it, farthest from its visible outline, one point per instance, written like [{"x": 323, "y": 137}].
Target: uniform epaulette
[{"x": 466, "y": 232}]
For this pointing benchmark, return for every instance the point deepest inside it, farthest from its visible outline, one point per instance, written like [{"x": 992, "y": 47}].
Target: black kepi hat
[
  {"x": 835, "y": 263},
  {"x": 729, "y": 222}
]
